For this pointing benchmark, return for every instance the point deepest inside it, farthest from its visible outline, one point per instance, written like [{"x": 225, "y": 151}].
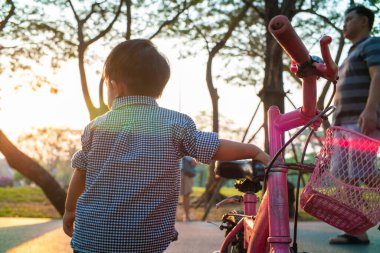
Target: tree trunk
[
  {"x": 213, "y": 186},
  {"x": 214, "y": 196},
  {"x": 215, "y": 127},
  {"x": 93, "y": 111},
  {"x": 33, "y": 171},
  {"x": 273, "y": 88}
]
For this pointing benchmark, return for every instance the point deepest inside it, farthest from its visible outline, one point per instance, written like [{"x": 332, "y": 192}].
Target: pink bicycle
[{"x": 267, "y": 230}]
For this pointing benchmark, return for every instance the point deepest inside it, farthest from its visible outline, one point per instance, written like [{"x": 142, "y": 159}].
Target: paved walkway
[{"x": 24, "y": 235}]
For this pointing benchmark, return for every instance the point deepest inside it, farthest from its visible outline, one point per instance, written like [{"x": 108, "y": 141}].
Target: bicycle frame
[{"x": 270, "y": 231}]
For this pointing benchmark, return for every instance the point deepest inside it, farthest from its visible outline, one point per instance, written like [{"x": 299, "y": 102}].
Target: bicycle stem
[{"x": 309, "y": 96}]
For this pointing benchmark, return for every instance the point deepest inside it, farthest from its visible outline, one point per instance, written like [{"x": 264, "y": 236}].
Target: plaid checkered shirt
[{"x": 131, "y": 156}]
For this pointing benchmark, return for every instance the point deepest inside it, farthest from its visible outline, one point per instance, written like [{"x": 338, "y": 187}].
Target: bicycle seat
[{"x": 240, "y": 169}]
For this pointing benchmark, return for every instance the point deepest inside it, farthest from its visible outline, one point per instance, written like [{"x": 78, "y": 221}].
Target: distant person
[
  {"x": 358, "y": 88},
  {"x": 188, "y": 165},
  {"x": 124, "y": 191}
]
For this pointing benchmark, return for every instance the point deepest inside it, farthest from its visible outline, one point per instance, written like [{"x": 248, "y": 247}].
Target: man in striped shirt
[{"x": 358, "y": 89}]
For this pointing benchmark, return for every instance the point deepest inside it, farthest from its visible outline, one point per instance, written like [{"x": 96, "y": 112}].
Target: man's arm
[
  {"x": 368, "y": 118},
  {"x": 76, "y": 189}
]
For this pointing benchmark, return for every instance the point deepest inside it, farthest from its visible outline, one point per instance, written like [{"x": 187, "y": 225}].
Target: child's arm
[
  {"x": 76, "y": 189},
  {"x": 231, "y": 150}
]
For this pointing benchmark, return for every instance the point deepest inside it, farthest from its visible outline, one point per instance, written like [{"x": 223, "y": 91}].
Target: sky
[{"x": 186, "y": 91}]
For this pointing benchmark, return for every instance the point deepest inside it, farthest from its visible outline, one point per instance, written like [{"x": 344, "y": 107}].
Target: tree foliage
[
  {"x": 53, "y": 149},
  {"x": 228, "y": 128}
]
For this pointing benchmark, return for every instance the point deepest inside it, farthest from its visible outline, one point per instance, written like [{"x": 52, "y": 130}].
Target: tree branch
[
  {"x": 324, "y": 18},
  {"x": 251, "y": 53},
  {"x": 11, "y": 12},
  {"x": 74, "y": 12},
  {"x": 108, "y": 28},
  {"x": 373, "y": 2},
  {"x": 129, "y": 20},
  {"x": 202, "y": 35},
  {"x": 231, "y": 27},
  {"x": 255, "y": 8},
  {"x": 93, "y": 10},
  {"x": 254, "y": 135},
  {"x": 172, "y": 20},
  {"x": 250, "y": 123},
  {"x": 33, "y": 171},
  {"x": 101, "y": 94},
  {"x": 300, "y": 4}
]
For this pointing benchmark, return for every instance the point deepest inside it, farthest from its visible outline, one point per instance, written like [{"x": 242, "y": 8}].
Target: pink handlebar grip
[
  {"x": 331, "y": 69},
  {"x": 283, "y": 32}
]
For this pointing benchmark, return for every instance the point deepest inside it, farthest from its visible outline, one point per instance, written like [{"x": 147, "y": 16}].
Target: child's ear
[
  {"x": 117, "y": 87},
  {"x": 114, "y": 86}
]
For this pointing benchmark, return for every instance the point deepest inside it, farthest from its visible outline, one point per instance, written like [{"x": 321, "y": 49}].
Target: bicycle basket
[{"x": 344, "y": 188}]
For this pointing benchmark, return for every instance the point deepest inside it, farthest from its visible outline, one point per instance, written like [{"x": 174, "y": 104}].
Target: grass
[
  {"x": 214, "y": 214},
  {"x": 25, "y": 202},
  {"x": 31, "y": 202}
]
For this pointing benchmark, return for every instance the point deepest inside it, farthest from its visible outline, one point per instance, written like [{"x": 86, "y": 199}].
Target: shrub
[{"x": 5, "y": 181}]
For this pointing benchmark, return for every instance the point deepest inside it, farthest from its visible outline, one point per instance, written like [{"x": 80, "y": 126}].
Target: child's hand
[
  {"x": 263, "y": 157},
  {"x": 68, "y": 223}
]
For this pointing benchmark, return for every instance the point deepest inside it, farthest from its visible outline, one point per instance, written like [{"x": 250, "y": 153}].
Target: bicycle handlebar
[
  {"x": 329, "y": 69},
  {"x": 284, "y": 33},
  {"x": 282, "y": 30}
]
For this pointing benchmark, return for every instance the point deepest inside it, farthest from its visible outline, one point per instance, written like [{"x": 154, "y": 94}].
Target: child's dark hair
[
  {"x": 362, "y": 10},
  {"x": 138, "y": 64}
]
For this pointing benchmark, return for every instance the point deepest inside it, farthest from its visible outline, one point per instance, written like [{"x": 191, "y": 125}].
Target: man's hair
[
  {"x": 138, "y": 64},
  {"x": 362, "y": 10}
]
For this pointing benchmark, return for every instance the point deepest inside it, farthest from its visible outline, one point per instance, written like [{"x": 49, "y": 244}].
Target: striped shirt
[
  {"x": 131, "y": 156},
  {"x": 354, "y": 81}
]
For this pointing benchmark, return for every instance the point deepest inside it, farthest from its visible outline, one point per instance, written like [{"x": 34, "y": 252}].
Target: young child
[{"x": 124, "y": 191}]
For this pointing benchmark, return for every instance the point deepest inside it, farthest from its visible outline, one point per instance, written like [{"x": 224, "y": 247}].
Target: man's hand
[
  {"x": 368, "y": 118},
  {"x": 68, "y": 223},
  {"x": 367, "y": 121}
]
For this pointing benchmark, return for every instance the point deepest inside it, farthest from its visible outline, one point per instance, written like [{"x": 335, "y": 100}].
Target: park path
[{"x": 28, "y": 235}]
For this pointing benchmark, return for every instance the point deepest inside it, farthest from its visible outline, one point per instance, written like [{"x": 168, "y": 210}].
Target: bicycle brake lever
[
  {"x": 329, "y": 69},
  {"x": 325, "y": 67},
  {"x": 232, "y": 199}
]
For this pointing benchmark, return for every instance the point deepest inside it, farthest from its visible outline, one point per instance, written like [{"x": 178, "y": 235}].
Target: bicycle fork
[{"x": 246, "y": 224}]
